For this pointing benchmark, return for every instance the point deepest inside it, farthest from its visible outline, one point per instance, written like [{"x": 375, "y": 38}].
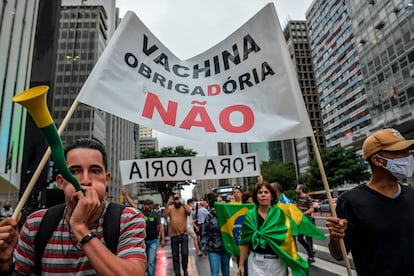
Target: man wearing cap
[
  {"x": 376, "y": 220},
  {"x": 154, "y": 227}
]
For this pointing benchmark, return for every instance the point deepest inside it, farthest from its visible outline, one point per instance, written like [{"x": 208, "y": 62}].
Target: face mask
[{"x": 400, "y": 167}]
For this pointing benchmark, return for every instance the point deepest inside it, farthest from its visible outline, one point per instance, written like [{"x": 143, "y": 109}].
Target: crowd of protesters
[{"x": 387, "y": 152}]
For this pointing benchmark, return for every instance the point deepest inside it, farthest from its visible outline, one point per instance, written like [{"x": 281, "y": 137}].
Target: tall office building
[
  {"x": 296, "y": 36},
  {"x": 338, "y": 73},
  {"x": 18, "y": 21},
  {"x": 384, "y": 35},
  {"x": 85, "y": 28},
  {"x": 281, "y": 151},
  {"x": 145, "y": 132},
  {"x": 147, "y": 143},
  {"x": 146, "y": 139}
]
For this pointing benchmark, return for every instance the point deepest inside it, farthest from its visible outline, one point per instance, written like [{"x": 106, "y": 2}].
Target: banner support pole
[{"x": 329, "y": 197}]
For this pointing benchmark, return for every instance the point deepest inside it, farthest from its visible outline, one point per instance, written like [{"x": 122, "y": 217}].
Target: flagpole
[
  {"x": 329, "y": 196},
  {"x": 42, "y": 163}
]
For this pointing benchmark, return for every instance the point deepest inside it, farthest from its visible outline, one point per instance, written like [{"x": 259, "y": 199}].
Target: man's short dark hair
[
  {"x": 211, "y": 198},
  {"x": 303, "y": 188},
  {"x": 190, "y": 200},
  {"x": 277, "y": 186},
  {"x": 245, "y": 196},
  {"x": 238, "y": 188},
  {"x": 88, "y": 143}
]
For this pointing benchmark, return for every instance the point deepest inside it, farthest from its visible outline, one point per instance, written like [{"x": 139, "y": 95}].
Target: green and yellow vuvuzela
[{"x": 34, "y": 100}]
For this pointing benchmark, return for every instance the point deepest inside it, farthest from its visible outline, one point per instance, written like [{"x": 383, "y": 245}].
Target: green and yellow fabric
[
  {"x": 34, "y": 100},
  {"x": 282, "y": 224}
]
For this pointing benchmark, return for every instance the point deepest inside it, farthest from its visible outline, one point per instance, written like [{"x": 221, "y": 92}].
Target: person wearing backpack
[
  {"x": 212, "y": 243},
  {"x": 79, "y": 242}
]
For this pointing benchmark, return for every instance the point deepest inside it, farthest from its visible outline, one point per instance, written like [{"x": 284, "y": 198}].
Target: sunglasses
[{"x": 176, "y": 198}]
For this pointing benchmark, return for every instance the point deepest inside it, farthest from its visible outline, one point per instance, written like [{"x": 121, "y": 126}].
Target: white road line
[
  {"x": 331, "y": 267},
  {"x": 326, "y": 250},
  {"x": 328, "y": 266}
]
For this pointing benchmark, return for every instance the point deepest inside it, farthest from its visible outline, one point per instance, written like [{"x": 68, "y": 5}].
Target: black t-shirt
[
  {"x": 380, "y": 230},
  {"x": 152, "y": 220},
  {"x": 267, "y": 250}
]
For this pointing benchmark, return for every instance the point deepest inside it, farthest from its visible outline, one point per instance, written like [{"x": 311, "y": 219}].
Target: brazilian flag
[{"x": 231, "y": 216}]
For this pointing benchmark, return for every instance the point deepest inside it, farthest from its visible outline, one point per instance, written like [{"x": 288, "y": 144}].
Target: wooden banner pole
[{"x": 329, "y": 197}]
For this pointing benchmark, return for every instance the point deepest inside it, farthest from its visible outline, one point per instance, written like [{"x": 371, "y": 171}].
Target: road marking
[
  {"x": 326, "y": 250},
  {"x": 330, "y": 267}
]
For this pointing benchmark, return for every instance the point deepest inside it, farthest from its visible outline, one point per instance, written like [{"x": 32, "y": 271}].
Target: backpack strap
[
  {"x": 47, "y": 226},
  {"x": 112, "y": 225},
  {"x": 51, "y": 219}
]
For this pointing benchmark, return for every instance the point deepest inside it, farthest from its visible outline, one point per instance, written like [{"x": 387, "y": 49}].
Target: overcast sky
[{"x": 189, "y": 27}]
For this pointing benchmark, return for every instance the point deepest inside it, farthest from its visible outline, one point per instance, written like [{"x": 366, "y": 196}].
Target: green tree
[
  {"x": 341, "y": 166},
  {"x": 284, "y": 173},
  {"x": 166, "y": 188}
]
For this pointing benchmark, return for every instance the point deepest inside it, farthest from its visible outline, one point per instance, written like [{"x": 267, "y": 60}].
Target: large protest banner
[
  {"x": 244, "y": 89},
  {"x": 183, "y": 168}
]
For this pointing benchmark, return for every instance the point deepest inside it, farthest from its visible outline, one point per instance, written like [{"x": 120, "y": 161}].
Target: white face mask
[{"x": 400, "y": 167}]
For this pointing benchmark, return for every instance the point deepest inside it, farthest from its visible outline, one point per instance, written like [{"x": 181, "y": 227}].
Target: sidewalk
[{"x": 197, "y": 266}]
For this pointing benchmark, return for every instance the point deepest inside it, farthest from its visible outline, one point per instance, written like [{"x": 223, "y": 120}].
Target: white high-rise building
[{"x": 338, "y": 74}]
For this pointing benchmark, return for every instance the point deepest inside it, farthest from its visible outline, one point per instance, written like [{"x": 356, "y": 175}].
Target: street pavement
[
  {"x": 324, "y": 265},
  {"x": 197, "y": 266},
  {"x": 165, "y": 264}
]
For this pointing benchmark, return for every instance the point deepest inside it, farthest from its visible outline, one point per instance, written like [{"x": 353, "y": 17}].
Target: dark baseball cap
[{"x": 148, "y": 201}]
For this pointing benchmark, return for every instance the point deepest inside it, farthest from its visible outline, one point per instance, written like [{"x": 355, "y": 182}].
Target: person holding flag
[
  {"x": 268, "y": 231},
  {"x": 237, "y": 196}
]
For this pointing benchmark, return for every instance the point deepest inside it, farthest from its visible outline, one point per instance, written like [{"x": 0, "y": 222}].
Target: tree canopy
[
  {"x": 284, "y": 173},
  {"x": 341, "y": 166},
  {"x": 166, "y": 188}
]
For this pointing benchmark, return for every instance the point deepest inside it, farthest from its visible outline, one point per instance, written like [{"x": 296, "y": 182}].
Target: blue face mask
[{"x": 400, "y": 167}]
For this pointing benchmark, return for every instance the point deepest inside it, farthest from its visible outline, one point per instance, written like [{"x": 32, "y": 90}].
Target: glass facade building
[
  {"x": 384, "y": 35},
  {"x": 338, "y": 72}
]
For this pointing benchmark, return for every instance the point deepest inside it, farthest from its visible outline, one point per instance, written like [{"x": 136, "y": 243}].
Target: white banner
[
  {"x": 187, "y": 168},
  {"x": 243, "y": 89}
]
